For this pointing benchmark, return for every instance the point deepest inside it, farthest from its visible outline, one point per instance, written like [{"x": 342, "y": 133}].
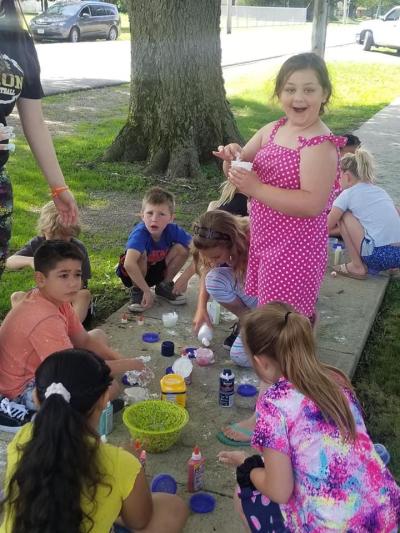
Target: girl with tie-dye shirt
[{"x": 320, "y": 463}]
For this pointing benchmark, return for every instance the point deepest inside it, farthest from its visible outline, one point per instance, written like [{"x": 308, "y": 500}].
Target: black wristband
[{"x": 243, "y": 471}]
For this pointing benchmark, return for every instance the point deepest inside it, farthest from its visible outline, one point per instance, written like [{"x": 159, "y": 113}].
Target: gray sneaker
[
  {"x": 136, "y": 301},
  {"x": 164, "y": 290}
]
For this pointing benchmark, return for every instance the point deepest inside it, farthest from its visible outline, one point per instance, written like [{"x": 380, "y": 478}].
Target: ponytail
[
  {"x": 276, "y": 330},
  {"x": 228, "y": 191},
  {"x": 360, "y": 164},
  {"x": 58, "y": 465}
]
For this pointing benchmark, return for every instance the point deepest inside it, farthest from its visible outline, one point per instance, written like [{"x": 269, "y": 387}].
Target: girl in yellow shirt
[{"x": 61, "y": 478}]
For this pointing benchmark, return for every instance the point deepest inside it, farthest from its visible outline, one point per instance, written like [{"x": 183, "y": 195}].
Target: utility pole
[
  {"x": 229, "y": 17},
  {"x": 320, "y": 23},
  {"x": 345, "y": 11}
]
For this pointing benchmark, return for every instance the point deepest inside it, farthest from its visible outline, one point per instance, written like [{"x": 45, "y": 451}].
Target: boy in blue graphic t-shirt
[{"x": 155, "y": 252}]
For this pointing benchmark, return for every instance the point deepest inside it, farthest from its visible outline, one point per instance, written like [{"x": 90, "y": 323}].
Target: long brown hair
[
  {"x": 276, "y": 330},
  {"x": 222, "y": 229}
]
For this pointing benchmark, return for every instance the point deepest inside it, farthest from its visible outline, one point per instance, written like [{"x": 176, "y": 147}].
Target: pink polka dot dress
[{"x": 287, "y": 255}]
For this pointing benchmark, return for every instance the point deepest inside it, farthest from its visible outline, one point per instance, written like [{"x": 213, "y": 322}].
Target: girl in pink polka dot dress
[{"x": 295, "y": 170}]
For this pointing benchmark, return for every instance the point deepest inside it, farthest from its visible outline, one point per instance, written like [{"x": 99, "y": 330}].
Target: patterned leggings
[
  {"x": 262, "y": 515},
  {"x": 6, "y": 206}
]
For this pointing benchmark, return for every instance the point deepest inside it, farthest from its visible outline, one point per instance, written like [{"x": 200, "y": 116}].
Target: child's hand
[
  {"x": 199, "y": 319},
  {"x": 180, "y": 285},
  {"x": 148, "y": 299},
  {"x": 228, "y": 152},
  {"x": 246, "y": 181},
  {"x": 232, "y": 458}
]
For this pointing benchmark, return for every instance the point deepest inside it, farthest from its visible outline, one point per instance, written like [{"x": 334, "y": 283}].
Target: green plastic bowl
[{"x": 156, "y": 423}]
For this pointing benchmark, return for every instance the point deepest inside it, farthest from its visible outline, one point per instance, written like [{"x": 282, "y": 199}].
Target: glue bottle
[
  {"x": 196, "y": 469},
  {"x": 205, "y": 335}
]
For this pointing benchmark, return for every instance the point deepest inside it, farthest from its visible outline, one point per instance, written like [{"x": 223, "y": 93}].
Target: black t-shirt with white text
[{"x": 19, "y": 74}]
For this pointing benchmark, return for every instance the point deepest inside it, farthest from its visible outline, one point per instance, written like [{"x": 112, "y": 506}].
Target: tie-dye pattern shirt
[{"x": 338, "y": 486}]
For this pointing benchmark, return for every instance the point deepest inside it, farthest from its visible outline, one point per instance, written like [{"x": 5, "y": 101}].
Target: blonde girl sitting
[
  {"x": 231, "y": 200},
  {"x": 320, "y": 463},
  {"x": 50, "y": 227},
  {"x": 367, "y": 218},
  {"x": 220, "y": 243}
]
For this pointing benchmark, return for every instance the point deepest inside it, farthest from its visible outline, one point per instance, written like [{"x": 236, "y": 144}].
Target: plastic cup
[
  {"x": 170, "y": 319},
  {"x": 204, "y": 357},
  {"x": 135, "y": 394},
  {"x": 247, "y": 165}
]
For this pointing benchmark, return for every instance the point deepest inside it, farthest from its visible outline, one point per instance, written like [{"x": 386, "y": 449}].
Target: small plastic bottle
[
  {"x": 106, "y": 420},
  {"x": 214, "y": 311},
  {"x": 196, "y": 470},
  {"x": 143, "y": 458},
  {"x": 338, "y": 253},
  {"x": 226, "y": 388},
  {"x": 205, "y": 335}
]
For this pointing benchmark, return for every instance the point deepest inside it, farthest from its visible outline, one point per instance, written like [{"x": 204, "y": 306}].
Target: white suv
[{"x": 384, "y": 31}]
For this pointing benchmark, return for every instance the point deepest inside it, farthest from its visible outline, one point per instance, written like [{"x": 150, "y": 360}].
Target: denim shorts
[
  {"x": 379, "y": 258},
  {"x": 26, "y": 397}
]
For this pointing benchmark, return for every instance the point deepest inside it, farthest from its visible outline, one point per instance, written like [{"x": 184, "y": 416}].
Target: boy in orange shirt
[{"x": 44, "y": 322}]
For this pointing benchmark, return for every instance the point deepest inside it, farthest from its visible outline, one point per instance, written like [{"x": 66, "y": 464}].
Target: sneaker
[
  {"x": 13, "y": 415},
  {"x": 136, "y": 301},
  {"x": 164, "y": 290},
  {"x": 228, "y": 342}
]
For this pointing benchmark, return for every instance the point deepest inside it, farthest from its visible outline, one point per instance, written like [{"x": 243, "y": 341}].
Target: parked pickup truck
[{"x": 384, "y": 31}]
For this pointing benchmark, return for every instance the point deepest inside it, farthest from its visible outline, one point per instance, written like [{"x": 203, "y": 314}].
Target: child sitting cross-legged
[
  {"x": 45, "y": 322},
  {"x": 318, "y": 462},
  {"x": 155, "y": 252},
  {"x": 50, "y": 227},
  {"x": 61, "y": 478},
  {"x": 367, "y": 218}
]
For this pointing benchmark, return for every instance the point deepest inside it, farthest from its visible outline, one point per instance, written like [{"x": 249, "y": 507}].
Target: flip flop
[
  {"x": 235, "y": 443},
  {"x": 342, "y": 270}
]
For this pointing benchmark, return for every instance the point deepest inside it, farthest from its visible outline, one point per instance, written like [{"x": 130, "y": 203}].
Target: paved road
[{"x": 72, "y": 66}]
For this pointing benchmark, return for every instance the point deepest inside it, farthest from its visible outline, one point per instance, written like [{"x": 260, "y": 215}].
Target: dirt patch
[
  {"x": 64, "y": 113},
  {"x": 110, "y": 212}
]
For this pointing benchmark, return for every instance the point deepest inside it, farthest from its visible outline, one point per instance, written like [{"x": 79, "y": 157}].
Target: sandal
[
  {"x": 342, "y": 270},
  {"x": 232, "y": 442}
]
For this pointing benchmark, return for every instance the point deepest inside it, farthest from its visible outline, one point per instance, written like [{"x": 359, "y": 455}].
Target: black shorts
[{"x": 155, "y": 273}]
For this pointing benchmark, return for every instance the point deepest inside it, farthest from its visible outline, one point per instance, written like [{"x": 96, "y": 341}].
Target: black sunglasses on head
[{"x": 208, "y": 233}]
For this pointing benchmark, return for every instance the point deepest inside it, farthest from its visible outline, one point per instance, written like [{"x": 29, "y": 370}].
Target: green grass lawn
[{"x": 359, "y": 94}]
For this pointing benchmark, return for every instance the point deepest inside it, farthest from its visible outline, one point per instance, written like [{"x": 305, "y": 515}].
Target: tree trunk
[{"x": 178, "y": 111}]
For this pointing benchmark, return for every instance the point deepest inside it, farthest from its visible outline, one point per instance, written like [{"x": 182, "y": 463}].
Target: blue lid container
[
  {"x": 202, "y": 503},
  {"x": 247, "y": 390},
  {"x": 164, "y": 483},
  {"x": 150, "y": 336}
]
